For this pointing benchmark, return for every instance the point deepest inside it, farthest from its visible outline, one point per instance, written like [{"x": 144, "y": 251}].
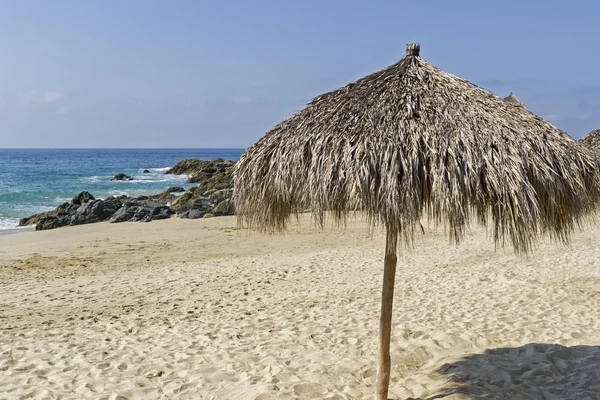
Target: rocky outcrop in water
[
  {"x": 209, "y": 174},
  {"x": 121, "y": 177}
]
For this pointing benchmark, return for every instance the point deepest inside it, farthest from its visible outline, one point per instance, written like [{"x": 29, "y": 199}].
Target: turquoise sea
[{"x": 34, "y": 180}]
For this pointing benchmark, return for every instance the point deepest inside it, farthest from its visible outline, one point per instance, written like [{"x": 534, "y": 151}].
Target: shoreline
[{"x": 17, "y": 229}]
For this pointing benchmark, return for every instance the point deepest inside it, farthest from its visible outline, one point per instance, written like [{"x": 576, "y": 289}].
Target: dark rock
[
  {"x": 175, "y": 189},
  {"x": 192, "y": 214},
  {"x": 185, "y": 201},
  {"x": 141, "y": 212},
  {"x": 82, "y": 197},
  {"x": 187, "y": 166},
  {"x": 203, "y": 204},
  {"x": 116, "y": 198},
  {"x": 36, "y": 218},
  {"x": 219, "y": 195},
  {"x": 210, "y": 174},
  {"x": 53, "y": 222},
  {"x": 146, "y": 171},
  {"x": 202, "y": 200},
  {"x": 198, "y": 208},
  {"x": 121, "y": 177},
  {"x": 165, "y": 197},
  {"x": 94, "y": 211},
  {"x": 217, "y": 176},
  {"x": 125, "y": 213},
  {"x": 225, "y": 207}
]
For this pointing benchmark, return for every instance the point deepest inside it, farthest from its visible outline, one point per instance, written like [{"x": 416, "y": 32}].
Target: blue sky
[{"x": 221, "y": 73}]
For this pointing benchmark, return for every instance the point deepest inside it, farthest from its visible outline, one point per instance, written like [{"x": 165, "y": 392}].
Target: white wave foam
[
  {"x": 8, "y": 223},
  {"x": 16, "y": 229},
  {"x": 94, "y": 179},
  {"x": 130, "y": 193},
  {"x": 137, "y": 179},
  {"x": 160, "y": 179},
  {"x": 156, "y": 169},
  {"x": 20, "y": 209}
]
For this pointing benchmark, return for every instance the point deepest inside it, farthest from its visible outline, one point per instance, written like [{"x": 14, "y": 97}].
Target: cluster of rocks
[
  {"x": 85, "y": 209},
  {"x": 212, "y": 197}
]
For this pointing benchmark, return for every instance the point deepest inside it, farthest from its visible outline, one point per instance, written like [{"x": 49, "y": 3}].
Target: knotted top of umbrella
[
  {"x": 413, "y": 141},
  {"x": 511, "y": 98}
]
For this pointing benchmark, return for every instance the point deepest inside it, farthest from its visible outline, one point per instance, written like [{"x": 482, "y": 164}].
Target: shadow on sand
[{"x": 533, "y": 371}]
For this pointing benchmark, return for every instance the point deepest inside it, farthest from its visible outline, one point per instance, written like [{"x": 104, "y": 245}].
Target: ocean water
[{"x": 35, "y": 180}]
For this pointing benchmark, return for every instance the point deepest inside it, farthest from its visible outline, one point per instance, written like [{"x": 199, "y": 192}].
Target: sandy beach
[{"x": 195, "y": 309}]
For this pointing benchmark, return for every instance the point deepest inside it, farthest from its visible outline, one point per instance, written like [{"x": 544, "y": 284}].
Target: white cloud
[
  {"x": 241, "y": 99},
  {"x": 63, "y": 109},
  {"x": 35, "y": 97}
]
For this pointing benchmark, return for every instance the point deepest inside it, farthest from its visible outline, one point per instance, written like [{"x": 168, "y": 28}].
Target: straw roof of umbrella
[
  {"x": 592, "y": 141},
  {"x": 413, "y": 141}
]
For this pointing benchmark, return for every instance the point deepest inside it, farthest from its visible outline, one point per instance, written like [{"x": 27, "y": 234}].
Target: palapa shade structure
[{"x": 412, "y": 141}]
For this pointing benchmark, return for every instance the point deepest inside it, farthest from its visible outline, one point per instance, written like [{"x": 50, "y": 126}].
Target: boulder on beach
[
  {"x": 81, "y": 198},
  {"x": 36, "y": 219},
  {"x": 121, "y": 177},
  {"x": 95, "y": 211},
  {"x": 141, "y": 212},
  {"x": 197, "y": 202}
]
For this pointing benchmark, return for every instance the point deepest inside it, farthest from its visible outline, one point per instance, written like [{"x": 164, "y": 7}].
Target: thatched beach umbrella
[{"x": 412, "y": 141}]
